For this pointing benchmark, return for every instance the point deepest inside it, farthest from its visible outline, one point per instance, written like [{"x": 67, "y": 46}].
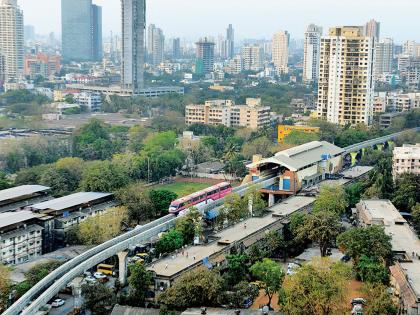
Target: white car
[
  {"x": 58, "y": 303},
  {"x": 291, "y": 268},
  {"x": 99, "y": 275}
]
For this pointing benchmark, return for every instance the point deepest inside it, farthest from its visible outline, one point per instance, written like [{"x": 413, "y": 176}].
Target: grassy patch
[{"x": 183, "y": 189}]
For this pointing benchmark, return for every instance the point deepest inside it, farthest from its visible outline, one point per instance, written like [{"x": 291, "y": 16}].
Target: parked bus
[
  {"x": 106, "y": 269},
  {"x": 201, "y": 197}
]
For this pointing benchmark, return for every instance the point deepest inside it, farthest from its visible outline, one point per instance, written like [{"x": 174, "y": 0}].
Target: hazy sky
[{"x": 251, "y": 19}]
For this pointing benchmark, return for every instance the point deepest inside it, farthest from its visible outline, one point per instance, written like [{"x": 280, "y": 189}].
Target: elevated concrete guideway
[{"x": 46, "y": 289}]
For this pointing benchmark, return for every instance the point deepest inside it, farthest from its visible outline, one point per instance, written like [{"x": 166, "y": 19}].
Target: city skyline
[{"x": 293, "y": 16}]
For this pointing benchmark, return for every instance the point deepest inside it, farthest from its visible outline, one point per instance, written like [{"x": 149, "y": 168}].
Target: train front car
[{"x": 200, "y": 198}]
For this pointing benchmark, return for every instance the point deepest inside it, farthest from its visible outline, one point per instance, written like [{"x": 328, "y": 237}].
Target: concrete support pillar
[
  {"x": 391, "y": 144},
  {"x": 363, "y": 151},
  {"x": 122, "y": 257},
  {"x": 270, "y": 200}
]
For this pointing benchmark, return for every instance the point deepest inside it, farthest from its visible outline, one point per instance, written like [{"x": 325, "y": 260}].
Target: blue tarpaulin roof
[
  {"x": 211, "y": 214},
  {"x": 207, "y": 263}
]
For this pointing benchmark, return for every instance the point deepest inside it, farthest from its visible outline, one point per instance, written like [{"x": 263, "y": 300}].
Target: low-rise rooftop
[
  {"x": 70, "y": 201},
  {"x": 11, "y": 218},
  {"x": 21, "y": 191}
]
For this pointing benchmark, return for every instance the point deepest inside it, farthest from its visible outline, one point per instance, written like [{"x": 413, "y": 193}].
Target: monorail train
[{"x": 201, "y": 197}]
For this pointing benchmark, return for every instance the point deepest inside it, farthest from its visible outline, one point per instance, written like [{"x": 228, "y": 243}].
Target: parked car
[
  {"x": 292, "y": 267},
  {"x": 58, "y": 303},
  {"x": 100, "y": 277}
]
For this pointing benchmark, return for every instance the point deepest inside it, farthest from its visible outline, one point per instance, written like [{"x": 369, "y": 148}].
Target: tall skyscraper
[
  {"x": 97, "y": 50},
  {"x": 252, "y": 57},
  {"x": 81, "y": 24},
  {"x": 230, "y": 42},
  {"x": 29, "y": 31},
  {"x": 155, "y": 44},
  {"x": 133, "y": 44},
  {"x": 384, "y": 56},
  {"x": 312, "y": 47},
  {"x": 11, "y": 41},
  {"x": 346, "y": 85},
  {"x": 281, "y": 51},
  {"x": 176, "y": 48},
  {"x": 205, "y": 56},
  {"x": 373, "y": 29}
]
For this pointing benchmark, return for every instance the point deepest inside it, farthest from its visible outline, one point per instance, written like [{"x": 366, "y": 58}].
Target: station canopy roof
[{"x": 301, "y": 156}]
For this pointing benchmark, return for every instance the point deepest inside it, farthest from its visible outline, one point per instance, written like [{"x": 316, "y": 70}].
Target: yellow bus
[{"x": 106, "y": 269}]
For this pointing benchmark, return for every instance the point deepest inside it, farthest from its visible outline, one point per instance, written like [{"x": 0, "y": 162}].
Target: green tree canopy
[
  {"x": 379, "y": 300},
  {"x": 371, "y": 270},
  {"x": 103, "y": 176},
  {"x": 161, "y": 200},
  {"x": 4, "y": 287},
  {"x": 371, "y": 241},
  {"x": 321, "y": 227},
  {"x": 270, "y": 274},
  {"x": 140, "y": 279},
  {"x": 194, "y": 289},
  {"x": 138, "y": 202},
  {"x": 331, "y": 199},
  {"x": 169, "y": 242},
  {"x": 98, "y": 298},
  {"x": 317, "y": 288}
]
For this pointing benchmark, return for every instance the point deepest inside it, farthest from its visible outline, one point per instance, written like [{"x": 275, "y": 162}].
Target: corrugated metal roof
[
  {"x": 301, "y": 156},
  {"x": 21, "y": 191},
  {"x": 70, "y": 201},
  {"x": 9, "y": 218}
]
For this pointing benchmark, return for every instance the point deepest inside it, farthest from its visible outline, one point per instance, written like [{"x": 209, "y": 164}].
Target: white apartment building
[
  {"x": 411, "y": 48},
  {"x": 11, "y": 41},
  {"x": 20, "y": 237},
  {"x": 402, "y": 102},
  {"x": 346, "y": 85},
  {"x": 224, "y": 112},
  {"x": 406, "y": 159},
  {"x": 155, "y": 45},
  {"x": 384, "y": 56},
  {"x": 252, "y": 57},
  {"x": 312, "y": 47},
  {"x": 235, "y": 65},
  {"x": 92, "y": 101},
  {"x": 280, "y": 51}
]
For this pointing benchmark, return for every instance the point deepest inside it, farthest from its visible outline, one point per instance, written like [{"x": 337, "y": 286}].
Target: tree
[
  {"x": 98, "y": 298},
  {"x": 241, "y": 292},
  {"x": 331, "y": 199},
  {"x": 4, "y": 181},
  {"x": 101, "y": 228},
  {"x": 194, "y": 289},
  {"x": 371, "y": 270},
  {"x": 379, "y": 300},
  {"x": 254, "y": 197},
  {"x": 407, "y": 192},
  {"x": 275, "y": 245},
  {"x": 61, "y": 181},
  {"x": 138, "y": 202},
  {"x": 300, "y": 137},
  {"x": 140, "y": 279},
  {"x": 354, "y": 193},
  {"x": 236, "y": 268},
  {"x": 416, "y": 217},
  {"x": 136, "y": 136},
  {"x": 261, "y": 145},
  {"x": 318, "y": 288},
  {"x": 160, "y": 141},
  {"x": 189, "y": 225},
  {"x": 4, "y": 287},
  {"x": 93, "y": 141},
  {"x": 169, "y": 242},
  {"x": 103, "y": 176},
  {"x": 235, "y": 166},
  {"x": 161, "y": 200},
  {"x": 321, "y": 227},
  {"x": 371, "y": 241},
  {"x": 233, "y": 210},
  {"x": 270, "y": 274}
]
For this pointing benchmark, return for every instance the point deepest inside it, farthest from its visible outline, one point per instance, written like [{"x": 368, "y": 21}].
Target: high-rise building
[
  {"x": 312, "y": 47},
  {"x": 252, "y": 57},
  {"x": 155, "y": 45},
  {"x": 204, "y": 56},
  {"x": 133, "y": 44},
  {"x": 373, "y": 29},
  {"x": 11, "y": 41},
  {"x": 280, "y": 49},
  {"x": 176, "y": 48},
  {"x": 345, "y": 84},
  {"x": 81, "y": 24},
  {"x": 230, "y": 42},
  {"x": 384, "y": 56},
  {"x": 29, "y": 31},
  {"x": 97, "y": 50},
  {"x": 411, "y": 48}
]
